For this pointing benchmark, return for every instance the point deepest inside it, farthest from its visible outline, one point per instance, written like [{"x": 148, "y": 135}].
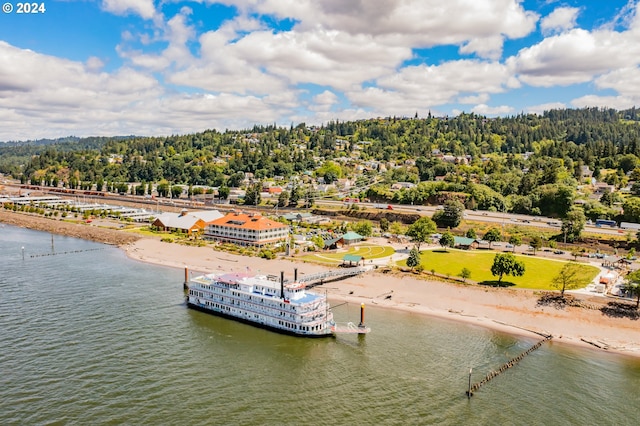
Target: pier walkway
[{"x": 312, "y": 280}]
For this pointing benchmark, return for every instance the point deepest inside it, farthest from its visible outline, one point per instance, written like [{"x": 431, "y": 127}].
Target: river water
[{"x": 88, "y": 336}]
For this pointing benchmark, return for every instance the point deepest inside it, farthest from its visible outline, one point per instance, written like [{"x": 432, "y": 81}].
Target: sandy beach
[{"x": 510, "y": 310}]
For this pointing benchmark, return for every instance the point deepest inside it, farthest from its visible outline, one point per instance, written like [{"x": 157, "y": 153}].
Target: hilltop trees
[{"x": 527, "y": 163}]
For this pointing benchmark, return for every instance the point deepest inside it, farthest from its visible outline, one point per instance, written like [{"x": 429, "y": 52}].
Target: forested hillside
[{"x": 535, "y": 164}]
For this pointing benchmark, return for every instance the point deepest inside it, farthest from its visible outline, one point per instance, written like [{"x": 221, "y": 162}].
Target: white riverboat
[{"x": 262, "y": 301}]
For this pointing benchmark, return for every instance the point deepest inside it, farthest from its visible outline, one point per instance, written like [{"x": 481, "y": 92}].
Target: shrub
[{"x": 267, "y": 254}]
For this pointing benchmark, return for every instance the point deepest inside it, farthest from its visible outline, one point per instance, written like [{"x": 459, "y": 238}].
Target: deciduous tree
[
  {"x": 465, "y": 273},
  {"x": 447, "y": 240},
  {"x": 515, "y": 240},
  {"x": 632, "y": 285},
  {"x": 283, "y": 199},
  {"x": 506, "y": 264},
  {"x": 493, "y": 235},
  {"x": 421, "y": 230},
  {"x": 536, "y": 243},
  {"x": 363, "y": 228},
  {"x": 568, "y": 278},
  {"x": 573, "y": 224}
]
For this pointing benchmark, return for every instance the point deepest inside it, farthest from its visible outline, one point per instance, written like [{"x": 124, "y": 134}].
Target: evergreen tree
[{"x": 414, "y": 258}]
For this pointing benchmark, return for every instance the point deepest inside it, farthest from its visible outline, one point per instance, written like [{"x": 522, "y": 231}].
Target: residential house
[
  {"x": 402, "y": 185},
  {"x": 602, "y": 188},
  {"x": 585, "y": 172}
]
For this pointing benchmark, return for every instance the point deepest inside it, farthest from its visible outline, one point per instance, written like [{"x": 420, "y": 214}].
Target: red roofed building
[
  {"x": 274, "y": 190},
  {"x": 247, "y": 229}
]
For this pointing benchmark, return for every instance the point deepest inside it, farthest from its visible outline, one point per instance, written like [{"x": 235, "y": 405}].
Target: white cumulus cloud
[
  {"x": 561, "y": 19},
  {"x": 143, "y": 8}
]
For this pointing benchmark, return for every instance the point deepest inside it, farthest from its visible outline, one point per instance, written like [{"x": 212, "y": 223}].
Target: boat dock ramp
[{"x": 312, "y": 280}]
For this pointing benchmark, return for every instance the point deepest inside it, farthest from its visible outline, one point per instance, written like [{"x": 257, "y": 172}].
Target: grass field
[
  {"x": 538, "y": 272},
  {"x": 367, "y": 251}
]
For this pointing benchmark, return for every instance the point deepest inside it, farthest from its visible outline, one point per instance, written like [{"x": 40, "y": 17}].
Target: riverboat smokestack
[
  {"x": 295, "y": 274},
  {"x": 282, "y": 284},
  {"x": 186, "y": 279}
]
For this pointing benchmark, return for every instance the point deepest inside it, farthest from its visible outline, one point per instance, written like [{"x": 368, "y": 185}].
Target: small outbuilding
[{"x": 465, "y": 243}]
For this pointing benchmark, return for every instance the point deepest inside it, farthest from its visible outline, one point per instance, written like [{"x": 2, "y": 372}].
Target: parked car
[{"x": 509, "y": 245}]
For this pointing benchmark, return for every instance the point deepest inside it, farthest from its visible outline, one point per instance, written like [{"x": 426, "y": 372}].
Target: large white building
[{"x": 247, "y": 229}]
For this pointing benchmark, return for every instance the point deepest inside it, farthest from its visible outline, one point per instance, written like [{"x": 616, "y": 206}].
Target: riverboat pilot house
[{"x": 247, "y": 229}]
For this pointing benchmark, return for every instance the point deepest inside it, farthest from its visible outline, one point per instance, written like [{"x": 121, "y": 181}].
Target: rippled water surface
[{"x": 88, "y": 336}]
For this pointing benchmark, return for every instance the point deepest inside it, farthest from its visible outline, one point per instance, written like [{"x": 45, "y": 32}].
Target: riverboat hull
[{"x": 258, "y": 325}]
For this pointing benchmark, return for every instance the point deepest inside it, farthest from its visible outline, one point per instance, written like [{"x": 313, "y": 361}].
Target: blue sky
[{"x": 145, "y": 67}]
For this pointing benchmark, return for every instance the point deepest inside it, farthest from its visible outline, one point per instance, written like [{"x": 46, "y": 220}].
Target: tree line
[{"x": 527, "y": 163}]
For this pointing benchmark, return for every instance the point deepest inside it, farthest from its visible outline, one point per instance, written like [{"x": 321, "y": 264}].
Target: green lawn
[
  {"x": 538, "y": 272},
  {"x": 366, "y": 251}
]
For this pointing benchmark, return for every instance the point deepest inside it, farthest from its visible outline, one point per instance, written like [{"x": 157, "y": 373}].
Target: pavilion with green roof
[
  {"x": 352, "y": 260},
  {"x": 352, "y": 237}
]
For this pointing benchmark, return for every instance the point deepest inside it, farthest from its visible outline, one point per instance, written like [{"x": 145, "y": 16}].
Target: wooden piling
[{"x": 504, "y": 367}]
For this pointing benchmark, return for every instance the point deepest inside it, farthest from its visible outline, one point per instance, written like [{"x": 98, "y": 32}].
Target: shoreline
[{"x": 512, "y": 311}]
